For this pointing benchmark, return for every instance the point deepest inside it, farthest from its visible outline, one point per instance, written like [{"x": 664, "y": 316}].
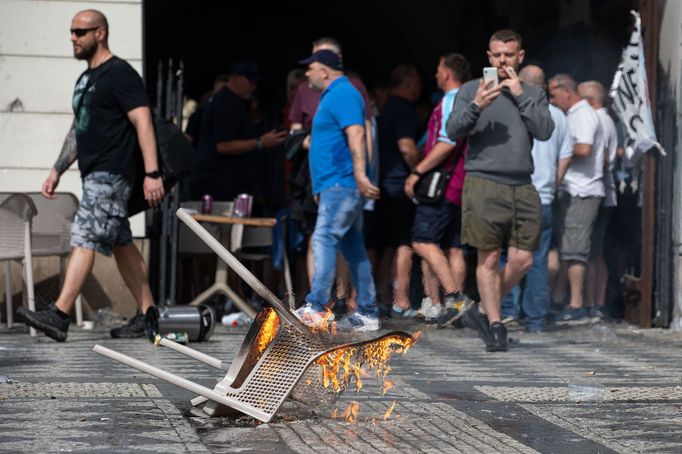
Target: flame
[
  {"x": 350, "y": 414},
  {"x": 343, "y": 365},
  {"x": 389, "y": 411},
  {"x": 335, "y": 413},
  {"x": 268, "y": 330},
  {"x": 323, "y": 325},
  {"x": 388, "y": 384}
]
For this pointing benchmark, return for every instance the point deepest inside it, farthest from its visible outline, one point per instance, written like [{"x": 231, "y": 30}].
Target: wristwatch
[
  {"x": 259, "y": 144},
  {"x": 474, "y": 107},
  {"x": 153, "y": 174}
]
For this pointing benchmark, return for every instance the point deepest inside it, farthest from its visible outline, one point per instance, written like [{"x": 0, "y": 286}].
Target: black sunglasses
[{"x": 80, "y": 32}]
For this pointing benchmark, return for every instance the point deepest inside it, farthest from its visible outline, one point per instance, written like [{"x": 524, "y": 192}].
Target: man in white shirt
[
  {"x": 551, "y": 159},
  {"x": 582, "y": 189},
  {"x": 597, "y": 273}
]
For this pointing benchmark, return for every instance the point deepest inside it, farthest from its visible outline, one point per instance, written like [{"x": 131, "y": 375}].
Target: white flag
[{"x": 630, "y": 94}]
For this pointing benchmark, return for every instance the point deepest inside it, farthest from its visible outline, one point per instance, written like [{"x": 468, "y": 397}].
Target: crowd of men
[{"x": 523, "y": 176}]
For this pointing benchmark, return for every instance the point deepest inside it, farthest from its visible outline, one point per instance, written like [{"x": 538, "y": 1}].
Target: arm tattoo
[{"x": 68, "y": 153}]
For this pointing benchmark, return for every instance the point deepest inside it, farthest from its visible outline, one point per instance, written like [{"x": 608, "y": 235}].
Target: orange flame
[
  {"x": 335, "y": 413},
  {"x": 389, "y": 411},
  {"x": 342, "y": 365},
  {"x": 322, "y": 325},
  {"x": 268, "y": 330},
  {"x": 388, "y": 384},
  {"x": 350, "y": 414}
]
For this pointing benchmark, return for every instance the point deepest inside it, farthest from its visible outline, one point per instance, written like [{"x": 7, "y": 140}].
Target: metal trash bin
[{"x": 197, "y": 321}]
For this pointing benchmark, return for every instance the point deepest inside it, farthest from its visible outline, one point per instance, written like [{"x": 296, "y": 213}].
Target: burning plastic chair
[{"x": 279, "y": 358}]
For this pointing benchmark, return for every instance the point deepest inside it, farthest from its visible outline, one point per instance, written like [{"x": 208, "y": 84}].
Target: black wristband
[
  {"x": 153, "y": 174},
  {"x": 416, "y": 172}
]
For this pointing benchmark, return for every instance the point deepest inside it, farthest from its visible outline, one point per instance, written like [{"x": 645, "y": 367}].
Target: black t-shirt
[
  {"x": 106, "y": 139},
  {"x": 224, "y": 119},
  {"x": 398, "y": 120}
]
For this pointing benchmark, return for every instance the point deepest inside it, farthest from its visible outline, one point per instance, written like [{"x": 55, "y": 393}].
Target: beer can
[
  {"x": 206, "y": 204},
  {"x": 180, "y": 338},
  {"x": 242, "y": 205}
]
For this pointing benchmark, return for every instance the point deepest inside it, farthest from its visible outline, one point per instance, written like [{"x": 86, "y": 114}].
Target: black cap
[
  {"x": 326, "y": 57},
  {"x": 246, "y": 68}
]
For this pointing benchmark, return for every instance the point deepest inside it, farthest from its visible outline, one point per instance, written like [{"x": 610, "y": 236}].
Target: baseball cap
[
  {"x": 246, "y": 68},
  {"x": 326, "y": 57}
]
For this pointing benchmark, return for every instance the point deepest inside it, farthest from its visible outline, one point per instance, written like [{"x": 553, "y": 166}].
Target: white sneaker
[
  {"x": 358, "y": 322},
  {"x": 433, "y": 312},
  {"x": 426, "y": 303}
]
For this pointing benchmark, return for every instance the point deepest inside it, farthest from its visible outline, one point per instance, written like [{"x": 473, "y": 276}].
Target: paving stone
[
  {"x": 451, "y": 396},
  {"x": 560, "y": 394}
]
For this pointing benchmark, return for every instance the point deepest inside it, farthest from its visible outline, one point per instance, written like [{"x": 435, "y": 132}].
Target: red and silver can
[{"x": 206, "y": 204}]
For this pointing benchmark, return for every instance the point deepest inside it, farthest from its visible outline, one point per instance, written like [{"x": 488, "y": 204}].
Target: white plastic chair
[
  {"x": 16, "y": 214},
  {"x": 51, "y": 232}
]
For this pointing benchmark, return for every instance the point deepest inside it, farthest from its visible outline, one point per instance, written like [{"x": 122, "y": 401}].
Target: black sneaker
[
  {"x": 456, "y": 304},
  {"x": 340, "y": 308},
  {"x": 498, "y": 338},
  {"x": 475, "y": 320},
  {"x": 134, "y": 328},
  {"x": 51, "y": 321}
]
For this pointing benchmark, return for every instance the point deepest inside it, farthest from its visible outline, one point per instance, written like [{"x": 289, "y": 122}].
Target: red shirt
[
  {"x": 453, "y": 192},
  {"x": 307, "y": 99}
]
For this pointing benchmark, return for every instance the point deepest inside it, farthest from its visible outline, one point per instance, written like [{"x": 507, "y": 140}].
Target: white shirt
[
  {"x": 546, "y": 155},
  {"x": 611, "y": 145},
  {"x": 584, "y": 175}
]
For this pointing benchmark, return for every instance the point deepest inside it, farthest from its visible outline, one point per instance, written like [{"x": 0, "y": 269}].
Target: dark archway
[{"x": 580, "y": 37}]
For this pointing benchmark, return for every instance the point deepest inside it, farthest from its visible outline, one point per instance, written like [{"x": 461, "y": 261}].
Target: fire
[
  {"x": 323, "y": 325},
  {"x": 342, "y": 365},
  {"x": 268, "y": 330},
  {"x": 389, "y": 411},
  {"x": 388, "y": 384},
  {"x": 350, "y": 414}
]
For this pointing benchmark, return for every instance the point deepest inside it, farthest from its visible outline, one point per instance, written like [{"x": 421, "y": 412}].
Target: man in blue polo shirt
[{"x": 340, "y": 184}]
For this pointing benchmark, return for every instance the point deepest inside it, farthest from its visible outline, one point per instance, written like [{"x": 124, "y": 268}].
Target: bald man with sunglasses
[{"x": 111, "y": 128}]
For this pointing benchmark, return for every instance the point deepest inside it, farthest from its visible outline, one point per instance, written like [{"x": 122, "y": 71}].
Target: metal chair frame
[
  {"x": 265, "y": 372},
  {"x": 16, "y": 213},
  {"x": 51, "y": 232}
]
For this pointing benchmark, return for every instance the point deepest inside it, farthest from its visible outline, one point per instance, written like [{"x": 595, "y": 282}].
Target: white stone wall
[{"x": 37, "y": 75}]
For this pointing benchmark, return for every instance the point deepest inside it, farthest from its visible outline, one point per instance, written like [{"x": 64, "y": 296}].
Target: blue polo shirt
[{"x": 341, "y": 105}]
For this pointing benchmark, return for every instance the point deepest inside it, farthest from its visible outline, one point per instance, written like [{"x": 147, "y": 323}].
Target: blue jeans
[
  {"x": 536, "y": 291},
  {"x": 339, "y": 226}
]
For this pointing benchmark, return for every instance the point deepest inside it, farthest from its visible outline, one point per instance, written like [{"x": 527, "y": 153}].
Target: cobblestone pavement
[{"x": 451, "y": 396}]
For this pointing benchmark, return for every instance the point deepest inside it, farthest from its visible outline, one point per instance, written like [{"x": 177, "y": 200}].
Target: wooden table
[
  {"x": 220, "y": 282},
  {"x": 252, "y": 222}
]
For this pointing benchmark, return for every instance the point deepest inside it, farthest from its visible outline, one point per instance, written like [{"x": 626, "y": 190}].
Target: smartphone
[{"x": 490, "y": 73}]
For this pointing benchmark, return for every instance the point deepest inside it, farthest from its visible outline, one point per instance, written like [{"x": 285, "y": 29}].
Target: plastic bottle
[
  {"x": 236, "y": 319},
  {"x": 585, "y": 391}
]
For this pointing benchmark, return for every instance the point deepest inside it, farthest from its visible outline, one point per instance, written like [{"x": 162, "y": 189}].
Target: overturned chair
[{"x": 280, "y": 357}]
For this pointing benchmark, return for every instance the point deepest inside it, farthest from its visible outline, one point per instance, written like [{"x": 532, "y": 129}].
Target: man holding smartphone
[{"x": 500, "y": 206}]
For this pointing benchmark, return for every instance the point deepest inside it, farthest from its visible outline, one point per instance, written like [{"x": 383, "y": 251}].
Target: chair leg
[
  {"x": 287, "y": 282},
  {"x": 8, "y": 293},
  {"x": 28, "y": 271},
  {"x": 173, "y": 379},
  {"x": 79, "y": 311}
]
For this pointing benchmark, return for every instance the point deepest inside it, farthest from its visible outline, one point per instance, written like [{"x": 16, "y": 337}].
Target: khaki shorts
[
  {"x": 495, "y": 215},
  {"x": 577, "y": 219}
]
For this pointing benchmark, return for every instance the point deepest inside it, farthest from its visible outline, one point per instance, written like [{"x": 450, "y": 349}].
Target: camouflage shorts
[{"x": 102, "y": 218}]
